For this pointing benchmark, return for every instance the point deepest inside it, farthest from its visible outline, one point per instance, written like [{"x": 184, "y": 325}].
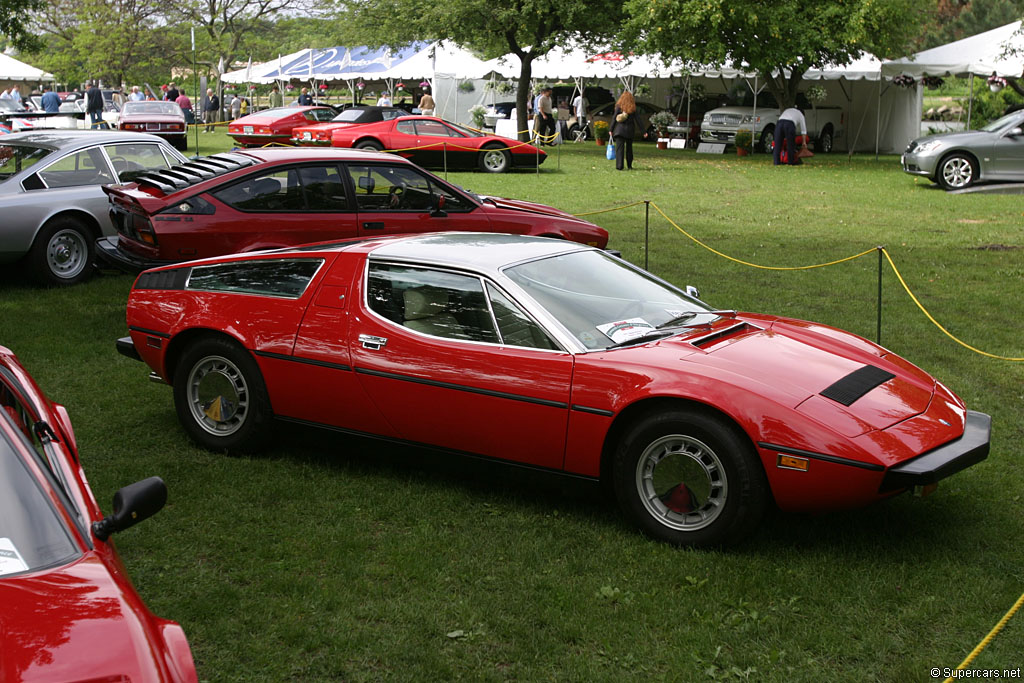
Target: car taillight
[
  {"x": 131, "y": 126},
  {"x": 264, "y": 131},
  {"x": 144, "y": 229}
]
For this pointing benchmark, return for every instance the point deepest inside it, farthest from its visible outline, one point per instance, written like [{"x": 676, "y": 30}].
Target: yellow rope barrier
[
  {"x": 991, "y": 634},
  {"x": 936, "y": 322},
  {"x": 615, "y": 208}
]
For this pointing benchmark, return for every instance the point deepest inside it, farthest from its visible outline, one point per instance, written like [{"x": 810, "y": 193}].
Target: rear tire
[
  {"x": 824, "y": 143},
  {"x": 371, "y": 145},
  {"x": 495, "y": 160},
  {"x": 220, "y": 396},
  {"x": 62, "y": 253},
  {"x": 690, "y": 478}
]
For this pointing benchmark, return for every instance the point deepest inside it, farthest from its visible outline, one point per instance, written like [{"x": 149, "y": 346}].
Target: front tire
[
  {"x": 825, "y": 141},
  {"x": 495, "y": 160},
  {"x": 767, "y": 141},
  {"x": 62, "y": 253},
  {"x": 956, "y": 172},
  {"x": 689, "y": 478},
  {"x": 220, "y": 396},
  {"x": 371, "y": 145}
]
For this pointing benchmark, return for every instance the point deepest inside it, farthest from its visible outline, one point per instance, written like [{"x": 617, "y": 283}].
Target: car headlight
[
  {"x": 707, "y": 118},
  {"x": 747, "y": 119},
  {"x": 927, "y": 146}
]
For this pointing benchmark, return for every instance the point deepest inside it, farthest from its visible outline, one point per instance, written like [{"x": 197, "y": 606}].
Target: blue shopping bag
[{"x": 609, "y": 152}]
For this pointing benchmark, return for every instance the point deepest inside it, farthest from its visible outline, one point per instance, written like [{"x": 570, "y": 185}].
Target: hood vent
[
  {"x": 856, "y": 384},
  {"x": 719, "y": 335}
]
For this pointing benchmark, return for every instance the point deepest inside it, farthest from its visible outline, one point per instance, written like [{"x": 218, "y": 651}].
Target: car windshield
[
  {"x": 32, "y": 534},
  {"x": 603, "y": 301},
  {"x": 159, "y": 108},
  {"x": 16, "y": 158},
  {"x": 1008, "y": 121}
]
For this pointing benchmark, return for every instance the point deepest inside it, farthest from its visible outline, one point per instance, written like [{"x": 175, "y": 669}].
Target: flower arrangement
[
  {"x": 744, "y": 140},
  {"x": 904, "y": 81},
  {"x": 661, "y": 121},
  {"x": 400, "y": 88},
  {"x": 601, "y": 131},
  {"x": 289, "y": 87},
  {"x": 996, "y": 83},
  {"x": 477, "y": 111},
  {"x": 932, "y": 82},
  {"x": 816, "y": 93},
  {"x": 252, "y": 87},
  {"x": 642, "y": 90},
  {"x": 360, "y": 85},
  {"x": 424, "y": 84},
  {"x": 323, "y": 87}
]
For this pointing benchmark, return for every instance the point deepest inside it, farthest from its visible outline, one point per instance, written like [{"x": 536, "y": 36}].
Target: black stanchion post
[
  {"x": 647, "y": 231},
  {"x": 878, "y": 330},
  {"x": 536, "y": 146},
  {"x": 446, "y": 160}
]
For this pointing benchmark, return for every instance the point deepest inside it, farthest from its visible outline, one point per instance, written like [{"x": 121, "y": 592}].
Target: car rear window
[
  {"x": 16, "y": 158},
  {"x": 287, "y": 278}
]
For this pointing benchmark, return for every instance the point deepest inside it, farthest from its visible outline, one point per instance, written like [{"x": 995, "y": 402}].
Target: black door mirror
[
  {"x": 132, "y": 504},
  {"x": 438, "y": 210}
]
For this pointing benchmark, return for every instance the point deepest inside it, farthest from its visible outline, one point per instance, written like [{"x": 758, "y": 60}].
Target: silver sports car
[
  {"x": 51, "y": 200},
  {"x": 958, "y": 160}
]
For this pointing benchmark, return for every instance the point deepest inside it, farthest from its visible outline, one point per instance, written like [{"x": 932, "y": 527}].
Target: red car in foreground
[
  {"x": 434, "y": 143},
  {"x": 165, "y": 119},
  {"x": 275, "y": 125},
  {"x": 69, "y": 611},
  {"x": 270, "y": 198},
  {"x": 551, "y": 355}
]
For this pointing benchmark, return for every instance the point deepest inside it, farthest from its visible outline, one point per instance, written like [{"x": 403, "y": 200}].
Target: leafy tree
[
  {"x": 774, "y": 37},
  {"x": 15, "y": 22},
  {"x": 526, "y": 28}
]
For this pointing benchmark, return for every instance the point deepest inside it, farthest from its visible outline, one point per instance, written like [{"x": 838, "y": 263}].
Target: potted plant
[
  {"x": 478, "y": 111},
  {"x": 744, "y": 140},
  {"x": 661, "y": 121},
  {"x": 601, "y": 132}
]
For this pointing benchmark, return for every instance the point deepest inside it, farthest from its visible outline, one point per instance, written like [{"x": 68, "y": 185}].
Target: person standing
[
  {"x": 384, "y": 100},
  {"x": 276, "y": 98},
  {"x": 50, "y": 101},
  {"x": 16, "y": 94},
  {"x": 212, "y": 111},
  {"x": 136, "y": 95},
  {"x": 427, "y": 104},
  {"x": 172, "y": 93},
  {"x": 94, "y": 105},
  {"x": 236, "y": 106},
  {"x": 623, "y": 129},
  {"x": 305, "y": 99},
  {"x": 185, "y": 103},
  {"x": 785, "y": 134},
  {"x": 545, "y": 118}
]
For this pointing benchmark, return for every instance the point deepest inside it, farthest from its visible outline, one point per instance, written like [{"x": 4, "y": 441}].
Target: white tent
[
  {"x": 980, "y": 55},
  {"x": 13, "y": 70},
  {"x": 261, "y": 73}
]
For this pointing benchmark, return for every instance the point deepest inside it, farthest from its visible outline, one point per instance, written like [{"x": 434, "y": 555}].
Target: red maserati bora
[
  {"x": 271, "y": 198},
  {"x": 551, "y": 355},
  {"x": 69, "y": 611},
  {"x": 275, "y": 125}
]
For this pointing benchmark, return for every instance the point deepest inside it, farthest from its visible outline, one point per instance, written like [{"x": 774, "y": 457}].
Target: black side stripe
[
  {"x": 593, "y": 411},
  {"x": 306, "y": 361},
  {"x": 460, "y": 387},
  {"x": 153, "y": 333},
  {"x": 822, "y": 456}
]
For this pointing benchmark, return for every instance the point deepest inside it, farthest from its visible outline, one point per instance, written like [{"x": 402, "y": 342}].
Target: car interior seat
[{"x": 426, "y": 311}]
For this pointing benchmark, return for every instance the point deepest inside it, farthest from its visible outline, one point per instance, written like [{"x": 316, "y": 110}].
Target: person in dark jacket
[
  {"x": 623, "y": 129},
  {"x": 94, "y": 104},
  {"x": 212, "y": 111}
]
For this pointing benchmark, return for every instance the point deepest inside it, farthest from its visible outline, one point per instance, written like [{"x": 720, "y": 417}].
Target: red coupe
[
  {"x": 435, "y": 143},
  {"x": 270, "y": 198},
  {"x": 165, "y": 119},
  {"x": 320, "y": 133},
  {"x": 552, "y": 355},
  {"x": 275, "y": 125},
  {"x": 69, "y": 612}
]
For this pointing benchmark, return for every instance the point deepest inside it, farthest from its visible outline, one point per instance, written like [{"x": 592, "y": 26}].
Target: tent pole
[
  {"x": 878, "y": 116},
  {"x": 970, "y": 105},
  {"x": 689, "y": 126}
]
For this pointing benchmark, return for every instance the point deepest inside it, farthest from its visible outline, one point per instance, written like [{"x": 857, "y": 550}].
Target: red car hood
[
  {"x": 75, "y": 624},
  {"x": 519, "y": 205},
  {"x": 797, "y": 361}
]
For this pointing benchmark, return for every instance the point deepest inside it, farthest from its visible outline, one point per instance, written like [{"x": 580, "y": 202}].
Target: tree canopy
[{"x": 15, "y": 23}]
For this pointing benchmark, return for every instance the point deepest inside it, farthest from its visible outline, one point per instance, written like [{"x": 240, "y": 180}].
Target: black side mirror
[
  {"x": 132, "y": 504},
  {"x": 438, "y": 211}
]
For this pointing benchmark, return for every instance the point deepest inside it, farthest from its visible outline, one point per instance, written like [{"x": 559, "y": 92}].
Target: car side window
[
  {"x": 387, "y": 114},
  {"x": 405, "y": 128},
  {"x": 436, "y": 129},
  {"x": 432, "y": 302},
  {"x": 85, "y": 167},
  {"x": 323, "y": 188},
  {"x": 319, "y": 115},
  {"x": 132, "y": 159},
  {"x": 514, "y": 326},
  {"x": 390, "y": 188},
  {"x": 453, "y": 202}
]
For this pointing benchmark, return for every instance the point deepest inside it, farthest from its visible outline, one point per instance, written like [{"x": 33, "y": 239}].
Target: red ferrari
[
  {"x": 270, "y": 198},
  {"x": 553, "y": 355},
  {"x": 434, "y": 143},
  {"x": 69, "y": 612},
  {"x": 319, "y": 134},
  {"x": 275, "y": 125}
]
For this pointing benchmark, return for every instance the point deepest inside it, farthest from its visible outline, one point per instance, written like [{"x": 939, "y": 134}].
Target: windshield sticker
[
  {"x": 624, "y": 330},
  {"x": 10, "y": 558}
]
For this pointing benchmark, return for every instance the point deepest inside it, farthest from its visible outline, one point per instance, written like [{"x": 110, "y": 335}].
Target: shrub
[{"x": 601, "y": 130}]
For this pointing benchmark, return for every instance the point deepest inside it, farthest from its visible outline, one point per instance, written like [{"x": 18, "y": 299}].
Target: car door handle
[
  {"x": 371, "y": 342},
  {"x": 373, "y": 226}
]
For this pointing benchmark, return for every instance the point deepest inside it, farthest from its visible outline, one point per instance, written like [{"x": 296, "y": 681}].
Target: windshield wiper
[
  {"x": 680, "y": 319},
  {"x": 647, "y": 336}
]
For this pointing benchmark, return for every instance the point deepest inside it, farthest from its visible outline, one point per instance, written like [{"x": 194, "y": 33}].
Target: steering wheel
[{"x": 395, "y": 195}]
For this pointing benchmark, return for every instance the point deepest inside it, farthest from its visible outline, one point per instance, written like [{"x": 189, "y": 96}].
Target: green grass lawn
[{"x": 341, "y": 559}]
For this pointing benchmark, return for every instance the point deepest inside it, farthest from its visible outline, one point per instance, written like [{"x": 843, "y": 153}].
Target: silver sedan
[
  {"x": 958, "y": 160},
  {"x": 51, "y": 195}
]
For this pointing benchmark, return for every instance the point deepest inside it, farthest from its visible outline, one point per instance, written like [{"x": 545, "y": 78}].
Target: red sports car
[
  {"x": 165, "y": 119},
  {"x": 275, "y": 125},
  {"x": 270, "y": 198},
  {"x": 552, "y": 355},
  {"x": 320, "y": 133},
  {"x": 69, "y": 611},
  {"x": 435, "y": 143}
]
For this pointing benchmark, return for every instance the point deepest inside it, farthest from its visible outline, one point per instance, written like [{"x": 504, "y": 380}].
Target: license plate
[
  {"x": 307, "y": 135},
  {"x": 152, "y": 126},
  {"x": 247, "y": 130}
]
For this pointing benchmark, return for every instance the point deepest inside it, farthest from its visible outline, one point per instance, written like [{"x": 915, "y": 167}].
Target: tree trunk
[{"x": 523, "y": 95}]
